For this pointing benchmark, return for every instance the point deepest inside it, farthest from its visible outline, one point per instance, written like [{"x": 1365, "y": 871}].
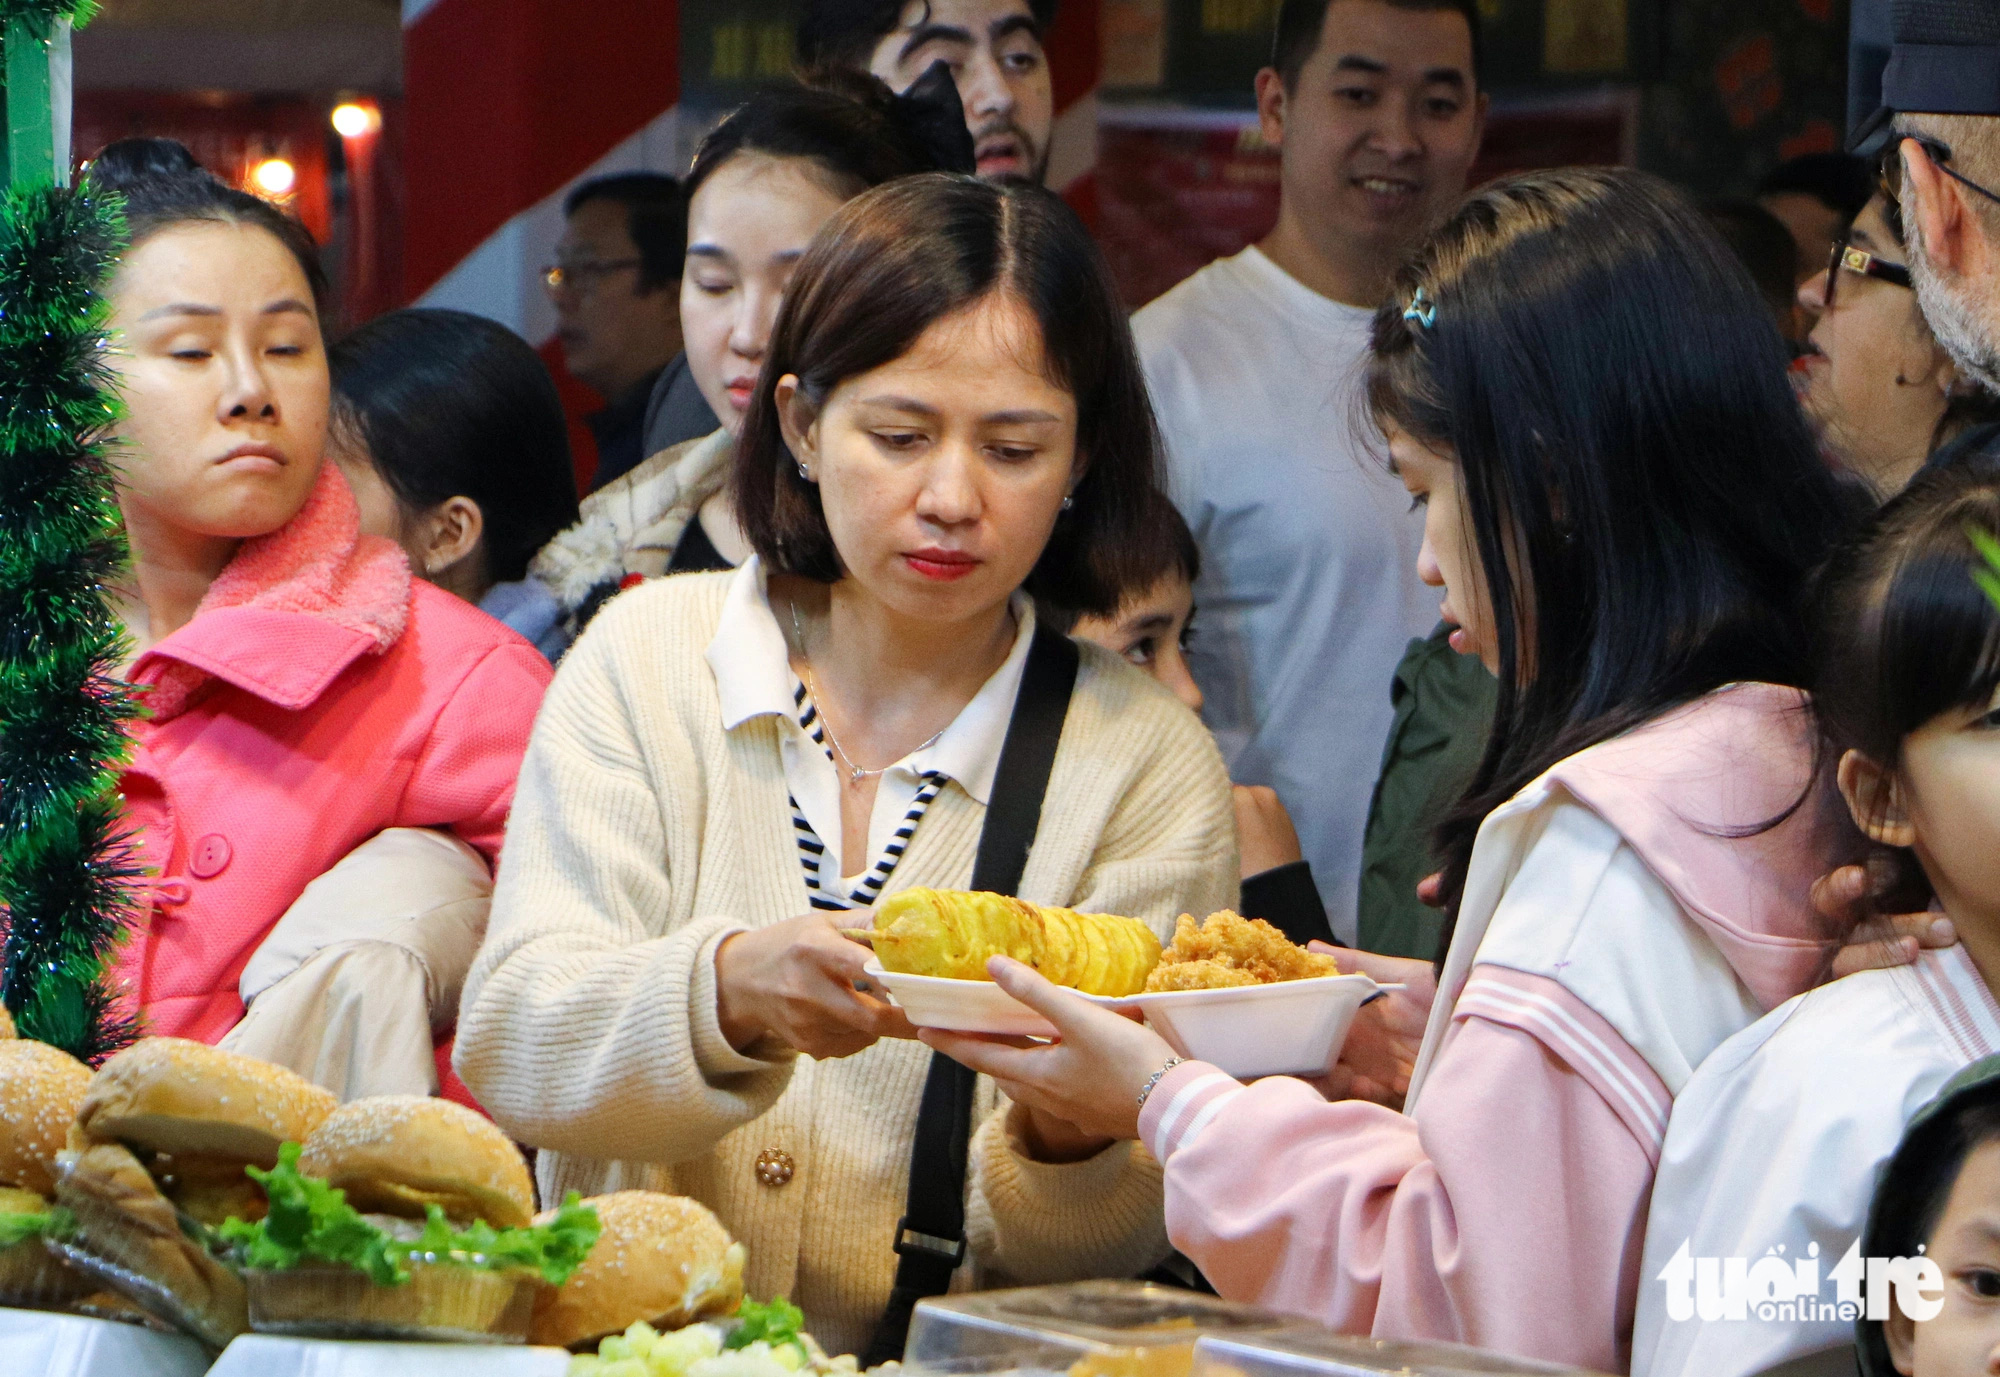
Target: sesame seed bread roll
[
  {"x": 395, "y": 1154},
  {"x": 663, "y": 1259},
  {"x": 40, "y": 1090},
  {"x": 176, "y": 1096}
]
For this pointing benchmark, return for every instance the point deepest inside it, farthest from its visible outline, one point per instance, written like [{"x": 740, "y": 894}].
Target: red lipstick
[{"x": 942, "y": 566}]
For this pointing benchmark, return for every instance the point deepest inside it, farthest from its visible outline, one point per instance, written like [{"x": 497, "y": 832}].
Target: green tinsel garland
[
  {"x": 41, "y": 16},
  {"x": 64, "y": 865}
]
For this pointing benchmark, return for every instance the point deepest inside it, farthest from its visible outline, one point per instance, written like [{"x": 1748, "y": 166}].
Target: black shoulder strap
[
  {"x": 930, "y": 1238},
  {"x": 1026, "y": 757}
]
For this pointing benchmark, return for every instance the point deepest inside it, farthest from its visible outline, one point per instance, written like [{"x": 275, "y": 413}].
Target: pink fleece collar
[{"x": 289, "y": 612}]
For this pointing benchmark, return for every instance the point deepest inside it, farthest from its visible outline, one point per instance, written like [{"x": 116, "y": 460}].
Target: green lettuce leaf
[
  {"x": 776, "y": 1322},
  {"x": 311, "y": 1222},
  {"x": 555, "y": 1249},
  {"x": 55, "y": 1222}
]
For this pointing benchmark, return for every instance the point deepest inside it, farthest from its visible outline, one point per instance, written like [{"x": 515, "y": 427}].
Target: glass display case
[
  {"x": 1310, "y": 1351},
  {"x": 1084, "y": 1329}
]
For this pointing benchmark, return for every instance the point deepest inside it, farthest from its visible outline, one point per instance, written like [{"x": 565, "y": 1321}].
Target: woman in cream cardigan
[{"x": 951, "y": 422}]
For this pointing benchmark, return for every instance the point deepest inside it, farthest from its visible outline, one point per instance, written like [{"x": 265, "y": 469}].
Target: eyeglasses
[
  {"x": 585, "y": 273},
  {"x": 1889, "y": 172},
  {"x": 1847, "y": 258}
]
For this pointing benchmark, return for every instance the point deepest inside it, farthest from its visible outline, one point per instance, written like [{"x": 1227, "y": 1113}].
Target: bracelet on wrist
[{"x": 1154, "y": 1079}]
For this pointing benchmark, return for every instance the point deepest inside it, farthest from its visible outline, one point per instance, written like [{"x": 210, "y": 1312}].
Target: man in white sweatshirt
[{"x": 1309, "y": 592}]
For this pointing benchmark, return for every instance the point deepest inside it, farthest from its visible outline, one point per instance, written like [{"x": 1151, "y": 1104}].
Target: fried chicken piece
[
  {"x": 1196, "y": 975},
  {"x": 1217, "y": 952}
]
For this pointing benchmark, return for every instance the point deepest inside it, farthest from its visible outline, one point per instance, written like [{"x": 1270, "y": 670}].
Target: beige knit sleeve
[
  {"x": 588, "y": 1021},
  {"x": 1036, "y": 1222},
  {"x": 1167, "y": 847}
]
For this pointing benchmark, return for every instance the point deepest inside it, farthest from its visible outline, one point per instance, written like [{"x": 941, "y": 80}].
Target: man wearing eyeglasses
[
  {"x": 1941, "y": 93},
  {"x": 616, "y": 286}
]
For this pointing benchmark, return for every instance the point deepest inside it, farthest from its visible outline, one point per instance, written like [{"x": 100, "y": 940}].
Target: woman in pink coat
[
  {"x": 1581, "y": 385},
  {"x": 303, "y": 691}
]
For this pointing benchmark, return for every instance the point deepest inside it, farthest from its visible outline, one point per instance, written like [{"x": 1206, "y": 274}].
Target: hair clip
[{"x": 1422, "y": 310}]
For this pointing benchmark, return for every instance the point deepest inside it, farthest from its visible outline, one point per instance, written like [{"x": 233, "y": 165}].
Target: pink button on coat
[{"x": 319, "y": 695}]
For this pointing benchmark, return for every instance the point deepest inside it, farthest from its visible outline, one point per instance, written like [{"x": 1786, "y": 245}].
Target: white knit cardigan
[{"x": 642, "y": 834}]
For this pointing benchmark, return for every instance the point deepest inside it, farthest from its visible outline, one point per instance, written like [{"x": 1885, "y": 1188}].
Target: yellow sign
[
  {"x": 1583, "y": 36},
  {"x": 1238, "y": 16}
]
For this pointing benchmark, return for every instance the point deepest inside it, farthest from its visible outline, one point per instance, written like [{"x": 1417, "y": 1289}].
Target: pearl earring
[{"x": 804, "y": 472}]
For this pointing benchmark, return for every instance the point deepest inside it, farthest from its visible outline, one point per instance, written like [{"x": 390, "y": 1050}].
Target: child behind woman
[
  {"x": 1151, "y": 629},
  {"x": 1777, "y": 1139},
  {"x": 1940, "y": 1198},
  {"x": 449, "y": 430}
]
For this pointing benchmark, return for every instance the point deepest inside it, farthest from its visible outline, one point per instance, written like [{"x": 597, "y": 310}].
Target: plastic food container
[
  {"x": 444, "y": 1303},
  {"x": 1085, "y": 1329},
  {"x": 33, "y": 1278},
  {"x": 1309, "y": 1351},
  {"x": 106, "y": 1249},
  {"x": 1290, "y": 1028}
]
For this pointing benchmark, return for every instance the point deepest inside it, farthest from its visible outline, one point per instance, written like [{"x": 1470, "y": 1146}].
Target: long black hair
[
  {"x": 162, "y": 185},
  {"x": 1644, "y": 492},
  {"x": 851, "y": 126},
  {"x": 450, "y": 404}
]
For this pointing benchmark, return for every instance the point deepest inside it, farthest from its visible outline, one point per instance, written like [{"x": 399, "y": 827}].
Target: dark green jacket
[{"x": 1444, "y": 709}]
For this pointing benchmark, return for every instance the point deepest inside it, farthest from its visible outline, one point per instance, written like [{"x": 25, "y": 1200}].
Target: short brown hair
[{"x": 892, "y": 263}]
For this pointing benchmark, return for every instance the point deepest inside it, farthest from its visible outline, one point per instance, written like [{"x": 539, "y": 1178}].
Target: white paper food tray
[
  {"x": 44, "y": 1343},
  {"x": 1295, "y": 1027},
  {"x": 269, "y": 1355}
]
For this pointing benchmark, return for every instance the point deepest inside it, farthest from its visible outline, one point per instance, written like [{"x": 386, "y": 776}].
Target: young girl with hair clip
[
  {"x": 1908, "y": 696},
  {"x": 1623, "y": 501},
  {"x": 303, "y": 693}
]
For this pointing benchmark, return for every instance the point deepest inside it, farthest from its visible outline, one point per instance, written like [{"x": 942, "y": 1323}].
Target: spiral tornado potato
[{"x": 951, "y": 933}]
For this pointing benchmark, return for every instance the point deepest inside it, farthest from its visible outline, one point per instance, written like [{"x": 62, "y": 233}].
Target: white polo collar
[{"x": 753, "y": 677}]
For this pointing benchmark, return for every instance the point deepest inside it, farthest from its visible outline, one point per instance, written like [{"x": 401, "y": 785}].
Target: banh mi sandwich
[
  {"x": 953, "y": 933},
  {"x": 404, "y": 1217},
  {"x": 156, "y": 1164},
  {"x": 40, "y": 1089},
  {"x": 1226, "y": 950},
  {"x": 661, "y": 1260}
]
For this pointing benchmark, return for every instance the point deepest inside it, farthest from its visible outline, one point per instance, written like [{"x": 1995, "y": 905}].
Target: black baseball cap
[{"x": 1946, "y": 61}]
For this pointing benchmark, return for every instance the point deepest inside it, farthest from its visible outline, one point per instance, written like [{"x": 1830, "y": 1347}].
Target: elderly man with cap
[{"x": 1941, "y": 98}]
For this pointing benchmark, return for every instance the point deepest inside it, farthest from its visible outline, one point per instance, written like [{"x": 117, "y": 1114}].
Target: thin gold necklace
[{"x": 855, "y": 774}]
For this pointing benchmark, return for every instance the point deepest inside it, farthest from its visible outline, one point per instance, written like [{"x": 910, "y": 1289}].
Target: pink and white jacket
[{"x": 1616, "y": 927}]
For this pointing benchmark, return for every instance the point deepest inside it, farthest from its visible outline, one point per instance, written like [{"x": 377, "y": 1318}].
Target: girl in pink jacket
[
  {"x": 1581, "y": 384},
  {"x": 303, "y": 692}
]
